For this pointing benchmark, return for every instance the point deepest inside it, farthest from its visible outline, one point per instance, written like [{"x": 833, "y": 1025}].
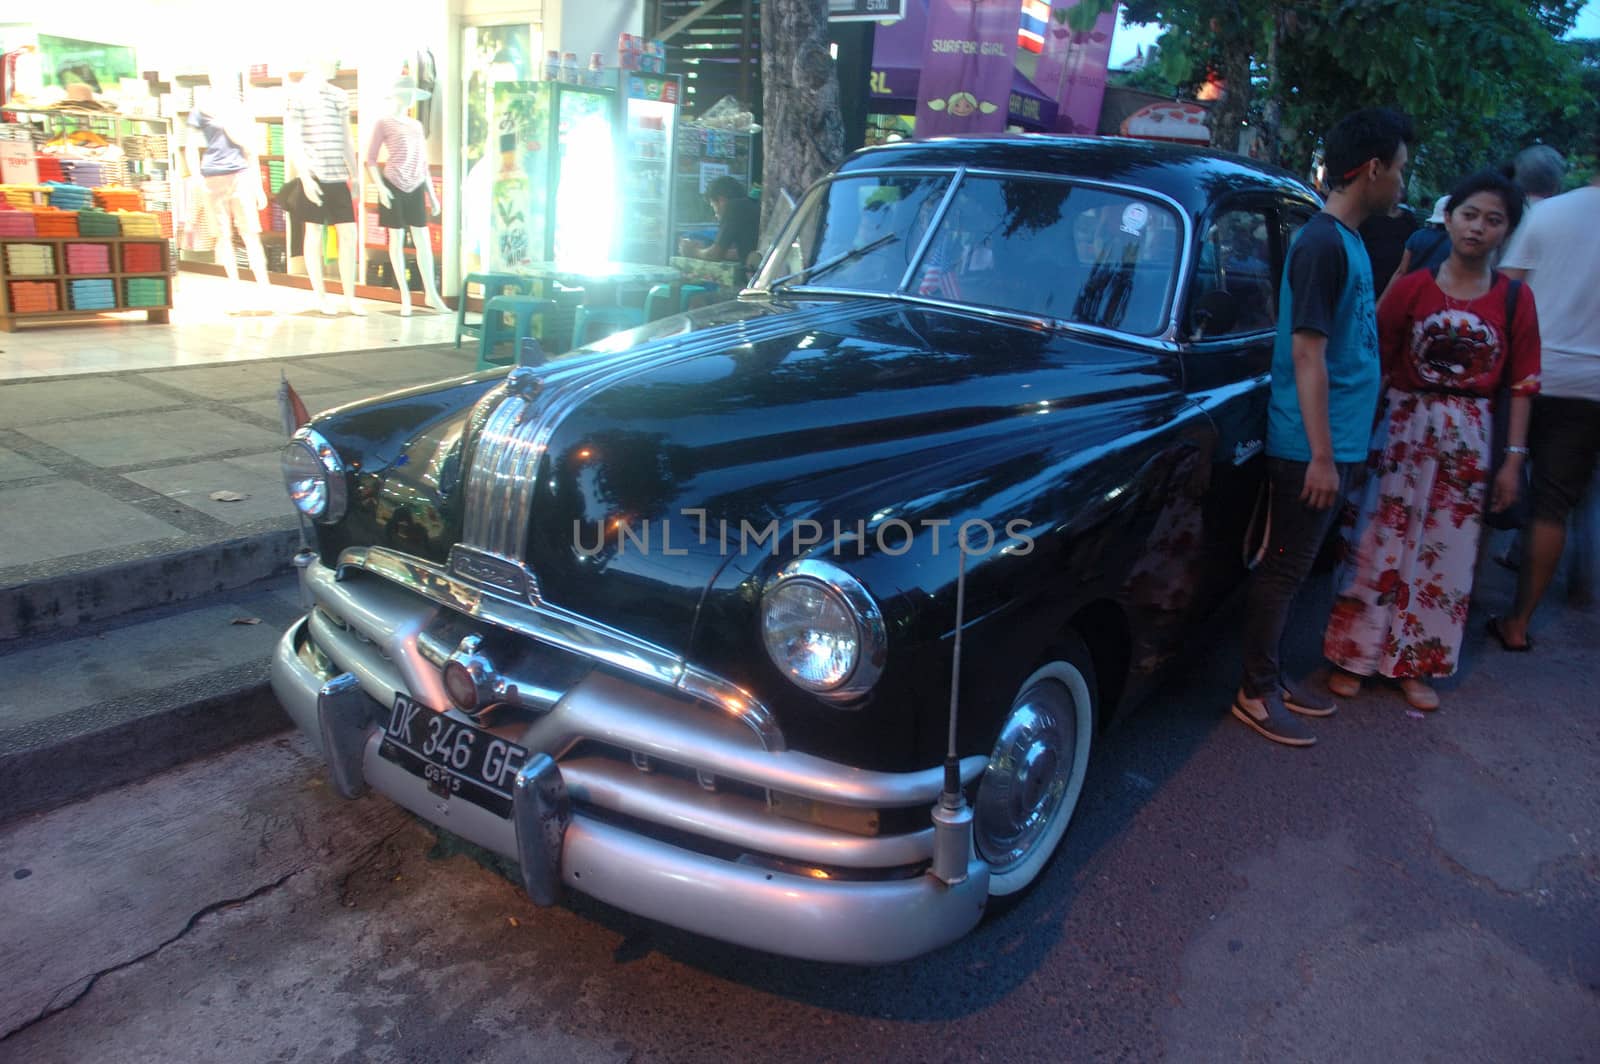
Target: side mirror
[{"x": 1214, "y": 313}]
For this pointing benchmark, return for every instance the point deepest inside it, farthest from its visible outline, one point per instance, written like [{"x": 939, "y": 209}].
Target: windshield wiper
[{"x": 810, "y": 273}]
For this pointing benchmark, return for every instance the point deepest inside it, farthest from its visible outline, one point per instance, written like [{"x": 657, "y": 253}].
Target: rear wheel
[{"x": 1030, "y": 788}]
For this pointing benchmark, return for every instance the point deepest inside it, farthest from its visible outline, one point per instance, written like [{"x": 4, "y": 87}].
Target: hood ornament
[{"x": 524, "y": 383}]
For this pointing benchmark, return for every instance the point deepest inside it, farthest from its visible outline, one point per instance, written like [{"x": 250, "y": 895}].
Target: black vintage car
[{"x": 671, "y": 621}]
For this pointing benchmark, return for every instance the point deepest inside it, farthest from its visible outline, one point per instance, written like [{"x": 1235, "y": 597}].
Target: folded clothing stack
[
  {"x": 164, "y": 223},
  {"x": 83, "y": 173},
  {"x": 69, "y": 197},
  {"x": 50, "y": 169},
  {"x": 33, "y": 297},
  {"x": 98, "y": 294},
  {"x": 141, "y": 258},
  {"x": 139, "y": 223},
  {"x": 98, "y": 223},
  {"x": 20, "y": 195},
  {"x": 146, "y": 292},
  {"x": 30, "y": 260},
  {"x": 17, "y": 223},
  {"x": 88, "y": 258},
  {"x": 48, "y": 221},
  {"x": 119, "y": 199}
]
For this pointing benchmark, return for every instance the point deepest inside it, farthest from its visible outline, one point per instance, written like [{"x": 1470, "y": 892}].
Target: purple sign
[
  {"x": 1072, "y": 66},
  {"x": 968, "y": 64}
]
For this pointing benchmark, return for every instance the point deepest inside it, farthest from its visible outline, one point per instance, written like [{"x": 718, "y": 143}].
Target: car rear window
[{"x": 1054, "y": 249}]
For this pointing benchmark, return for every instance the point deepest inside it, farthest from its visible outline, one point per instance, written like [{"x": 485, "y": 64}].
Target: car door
[{"x": 1227, "y": 332}]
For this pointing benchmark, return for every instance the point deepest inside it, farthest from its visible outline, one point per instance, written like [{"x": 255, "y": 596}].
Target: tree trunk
[
  {"x": 802, "y": 129},
  {"x": 1234, "y": 107}
]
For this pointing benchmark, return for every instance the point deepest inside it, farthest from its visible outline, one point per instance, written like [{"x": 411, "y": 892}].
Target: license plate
[{"x": 454, "y": 757}]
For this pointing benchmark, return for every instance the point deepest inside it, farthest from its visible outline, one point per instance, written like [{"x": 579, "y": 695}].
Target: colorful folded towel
[
  {"x": 146, "y": 292},
  {"x": 30, "y": 259},
  {"x": 33, "y": 297},
  {"x": 99, "y": 294},
  {"x": 88, "y": 258},
  {"x": 142, "y": 258}
]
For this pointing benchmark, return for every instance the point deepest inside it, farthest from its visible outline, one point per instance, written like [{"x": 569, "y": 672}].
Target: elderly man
[{"x": 1554, "y": 250}]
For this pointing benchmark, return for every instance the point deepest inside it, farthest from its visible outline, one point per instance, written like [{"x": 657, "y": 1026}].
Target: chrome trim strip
[
  {"x": 685, "y": 806},
  {"x": 552, "y": 625},
  {"x": 635, "y": 717},
  {"x": 499, "y": 482},
  {"x": 933, "y": 227},
  {"x": 541, "y": 812},
  {"x": 842, "y": 921},
  {"x": 344, "y": 718}
]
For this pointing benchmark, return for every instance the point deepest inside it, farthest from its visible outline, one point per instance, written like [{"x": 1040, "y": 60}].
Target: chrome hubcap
[{"x": 1027, "y": 775}]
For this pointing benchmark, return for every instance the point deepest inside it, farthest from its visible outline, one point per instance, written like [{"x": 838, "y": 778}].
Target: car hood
[
  {"x": 665, "y": 454},
  {"x": 670, "y": 461}
]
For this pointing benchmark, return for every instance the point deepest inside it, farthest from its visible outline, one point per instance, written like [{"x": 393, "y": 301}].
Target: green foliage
[{"x": 1480, "y": 78}]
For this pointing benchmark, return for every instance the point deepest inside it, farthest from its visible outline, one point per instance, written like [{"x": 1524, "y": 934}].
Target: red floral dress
[{"x": 1412, "y": 528}]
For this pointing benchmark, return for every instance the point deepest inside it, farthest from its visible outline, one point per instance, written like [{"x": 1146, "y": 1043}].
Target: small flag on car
[{"x": 292, "y": 410}]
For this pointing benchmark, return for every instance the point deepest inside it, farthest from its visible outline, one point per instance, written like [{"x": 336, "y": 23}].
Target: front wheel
[{"x": 1036, "y": 771}]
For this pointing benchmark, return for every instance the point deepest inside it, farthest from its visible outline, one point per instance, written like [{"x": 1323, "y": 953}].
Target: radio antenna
[{"x": 952, "y": 817}]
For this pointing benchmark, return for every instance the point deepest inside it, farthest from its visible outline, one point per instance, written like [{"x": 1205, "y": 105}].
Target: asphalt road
[{"x": 1410, "y": 889}]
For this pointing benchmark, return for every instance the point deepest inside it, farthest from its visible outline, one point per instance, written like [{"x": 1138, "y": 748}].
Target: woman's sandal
[
  {"x": 1419, "y": 695},
  {"x": 1494, "y": 629},
  {"x": 1344, "y": 684}
]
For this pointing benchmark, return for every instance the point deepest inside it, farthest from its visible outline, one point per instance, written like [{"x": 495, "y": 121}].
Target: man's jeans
[{"x": 1296, "y": 537}]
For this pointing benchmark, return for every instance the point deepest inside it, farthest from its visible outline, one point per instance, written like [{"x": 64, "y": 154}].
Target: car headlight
[
  {"x": 314, "y": 476},
  {"x": 823, "y": 630}
]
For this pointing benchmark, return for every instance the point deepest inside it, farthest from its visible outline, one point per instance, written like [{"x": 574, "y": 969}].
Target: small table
[
  {"x": 600, "y": 274},
  {"x": 709, "y": 272}
]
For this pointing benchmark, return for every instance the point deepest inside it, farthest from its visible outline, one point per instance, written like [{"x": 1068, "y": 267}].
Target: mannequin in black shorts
[
  {"x": 318, "y": 145},
  {"x": 401, "y": 140}
]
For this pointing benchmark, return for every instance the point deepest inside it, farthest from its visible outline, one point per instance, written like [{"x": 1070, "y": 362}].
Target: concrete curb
[
  {"x": 52, "y": 604},
  {"x": 191, "y": 724}
]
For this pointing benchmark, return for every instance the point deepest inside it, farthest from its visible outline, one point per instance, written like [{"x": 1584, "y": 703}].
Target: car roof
[{"x": 1194, "y": 177}]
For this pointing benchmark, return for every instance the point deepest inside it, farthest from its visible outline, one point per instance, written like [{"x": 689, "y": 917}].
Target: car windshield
[
  {"x": 856, "y": 233},
  {"x": 1036, "y": 246}
]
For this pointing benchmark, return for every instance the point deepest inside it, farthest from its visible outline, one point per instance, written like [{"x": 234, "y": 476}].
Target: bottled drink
[
  {"x": 552, "y": 65},
  {"x": 596, "y": 74},
  {"x": 569, "y": 68}
]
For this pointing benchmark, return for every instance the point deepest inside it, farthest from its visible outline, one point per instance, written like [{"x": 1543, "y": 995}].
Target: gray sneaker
[
  {"x": 1271, "y": 718},
  {"x": 1302, "y": 700}
]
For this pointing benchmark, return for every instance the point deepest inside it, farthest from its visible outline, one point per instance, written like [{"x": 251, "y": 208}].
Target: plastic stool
[
  {"x": 661, "y": 293},
  {"x": 618, "y": 318},
  {"x": 493, "y": 331},
  {"x": 494, "y": 284}
]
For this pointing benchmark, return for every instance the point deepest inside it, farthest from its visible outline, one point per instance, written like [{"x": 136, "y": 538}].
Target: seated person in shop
[{"x": 738, "y": 224}]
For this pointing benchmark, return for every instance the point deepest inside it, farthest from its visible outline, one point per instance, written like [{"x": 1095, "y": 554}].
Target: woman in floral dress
[{"x": 1413, "y": 533}]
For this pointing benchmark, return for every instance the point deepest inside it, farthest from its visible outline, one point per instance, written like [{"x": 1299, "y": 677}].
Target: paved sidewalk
[{"x": 119, "y": 468}]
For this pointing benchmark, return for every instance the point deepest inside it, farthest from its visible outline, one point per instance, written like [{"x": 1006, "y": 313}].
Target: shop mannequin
[
  {"x": 318, "y": 145},
  {"x": 405, "y": 192},
  {"x": 227, "y": 178}
]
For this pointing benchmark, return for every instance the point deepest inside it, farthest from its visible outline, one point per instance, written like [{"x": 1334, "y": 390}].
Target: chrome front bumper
[{"x": 591, "y": 823}]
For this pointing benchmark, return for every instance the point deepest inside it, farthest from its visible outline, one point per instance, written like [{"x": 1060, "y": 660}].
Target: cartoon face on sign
[{"x": 962, "y": 105}]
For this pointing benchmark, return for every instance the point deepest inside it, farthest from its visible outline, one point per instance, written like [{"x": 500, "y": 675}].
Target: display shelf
[{"x": 10, "y": 318}]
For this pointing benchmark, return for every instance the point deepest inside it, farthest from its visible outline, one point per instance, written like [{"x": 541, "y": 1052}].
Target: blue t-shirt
[
  {"x": 1429, "y": 248},
  {"x": 1327, "y": 289},
  {"x": 221, "y": 155}
]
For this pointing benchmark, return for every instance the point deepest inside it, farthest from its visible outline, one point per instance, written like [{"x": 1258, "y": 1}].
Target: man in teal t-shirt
[{"x": 1324, "y": 393}]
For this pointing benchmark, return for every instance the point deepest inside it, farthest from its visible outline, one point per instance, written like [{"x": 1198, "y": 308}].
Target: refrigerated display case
[
  {"x": 648, "y": 117},
  {"x": 702, "y": 156},
  {"x": 552, "y": 182}
]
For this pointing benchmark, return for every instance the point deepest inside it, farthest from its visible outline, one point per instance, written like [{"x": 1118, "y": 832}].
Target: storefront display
[{"x": 649, "y": 120}]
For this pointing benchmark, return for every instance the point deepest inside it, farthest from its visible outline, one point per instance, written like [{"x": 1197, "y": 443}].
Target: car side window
[{"x": 1235, "y": 288}]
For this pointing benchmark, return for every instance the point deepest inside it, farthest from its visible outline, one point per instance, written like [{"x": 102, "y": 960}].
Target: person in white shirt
[{"x": 1554, "y": 251}]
